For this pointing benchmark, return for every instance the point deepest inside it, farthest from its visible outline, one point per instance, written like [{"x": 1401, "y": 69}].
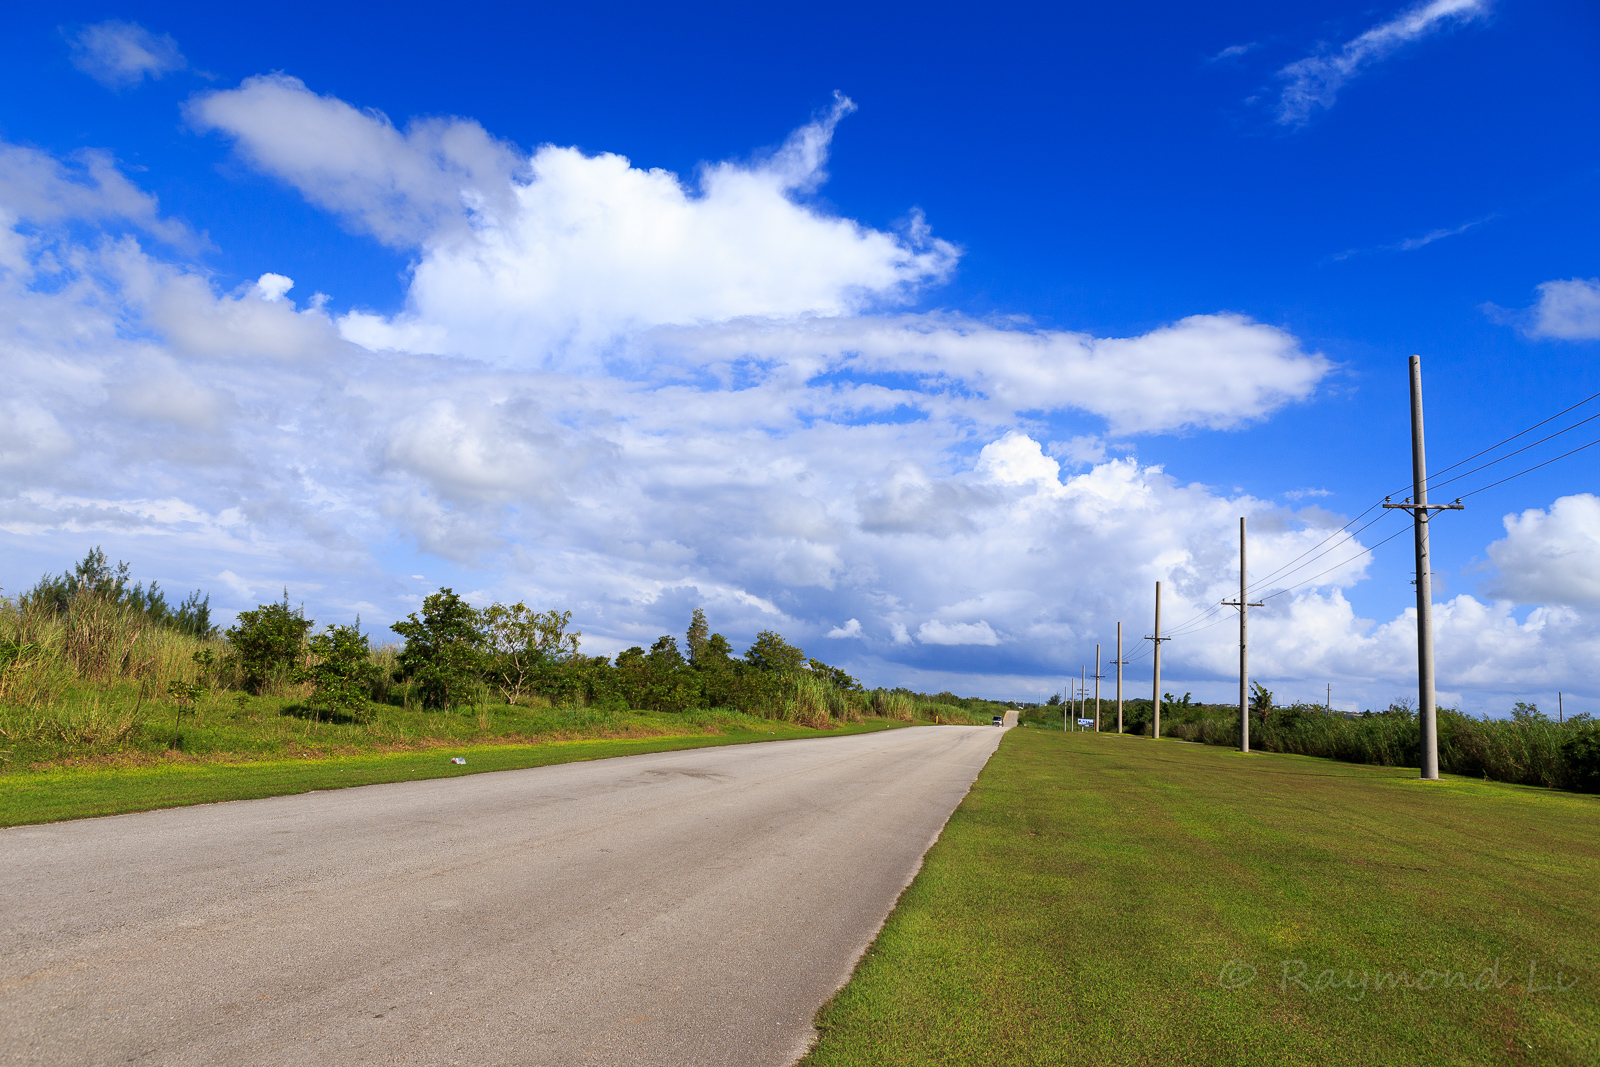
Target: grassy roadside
[
  {"x": 1114, "y": 900},
  {"x": 52, "y": 795}
]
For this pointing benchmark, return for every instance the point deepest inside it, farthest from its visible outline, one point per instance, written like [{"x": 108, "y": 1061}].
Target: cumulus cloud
[
  {"x": 1568, "y": 310},
  {"x": 530, "y": 258},
  {"x": 786, "y": 463},
  {"x": 936, "y": 632},
  {"x": 1551, "y": 557},
  {"x": 40, "y": 189},
  {"x": 120, "y": 54},
  {"x": 1314, "y": 82}
]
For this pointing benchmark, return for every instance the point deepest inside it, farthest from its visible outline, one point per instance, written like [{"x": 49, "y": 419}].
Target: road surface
[{"x": 684, "y": 908}]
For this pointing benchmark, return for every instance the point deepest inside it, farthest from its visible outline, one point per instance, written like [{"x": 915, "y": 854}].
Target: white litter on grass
[{"x": 458, "y": 759}]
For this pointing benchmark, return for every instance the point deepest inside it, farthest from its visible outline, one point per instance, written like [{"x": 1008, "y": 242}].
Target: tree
[
  {"x": 520, "y": 641},
  {"x": 699, "y": 633},
  {"x": 1261, "y": 701},
  {"x": 95, "y": 580},
  {"x": 1054, "y": 701},
  {"x": 268, "y": 642},
  {"x": 342, "y": 676},
  {"x": 770, "y": 652},
  {"x": 834, "y": 676},
  {"x": 444, "y": 648}
]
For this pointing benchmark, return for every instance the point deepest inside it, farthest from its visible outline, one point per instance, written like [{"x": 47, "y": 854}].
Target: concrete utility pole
[
  {"x": 1330, "y": 698},
  {"x": 1244, "y": 606},
  {"x": 1155, "y": 695},
  {"x": 1120, "y": 664},
  {"x": 1419, "y": 507},
  {"x": 1083, "y": 691},
  {"x": 1097, "y": 676},
  {"x": 1561, "y": 711}
]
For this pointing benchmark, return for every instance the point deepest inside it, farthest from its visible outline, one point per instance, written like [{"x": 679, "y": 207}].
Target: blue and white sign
[{"x": 1085, "y": 722}]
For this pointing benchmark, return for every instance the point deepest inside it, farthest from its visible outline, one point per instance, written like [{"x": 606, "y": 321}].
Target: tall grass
[
  {"x": 1525, "y": 749},
  {"x": 888, "y": 704}
]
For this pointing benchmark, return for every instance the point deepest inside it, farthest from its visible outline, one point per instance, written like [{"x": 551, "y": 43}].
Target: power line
[
  {"x": 1336, "y": 566},
  {"x": 1531, "y": 469},
  {"x": 1513, "y": 437},
  {"x": 1518, "y": 452}
]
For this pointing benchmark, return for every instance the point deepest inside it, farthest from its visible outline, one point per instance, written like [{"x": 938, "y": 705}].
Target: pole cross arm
[
  {"x": 1457, "y": 506},
  {"x": 1147, "y": 637},
  {"x": 1235, "y": 603}
]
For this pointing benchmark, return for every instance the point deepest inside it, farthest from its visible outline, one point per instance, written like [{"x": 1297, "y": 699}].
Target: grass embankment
[
  {"x": 75, "y": 792},
  {"x": 1114, "y": 900}
]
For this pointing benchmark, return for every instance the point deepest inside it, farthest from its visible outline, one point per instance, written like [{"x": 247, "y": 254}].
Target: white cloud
[
  {"x": 41, "y": 189},
  {"x": 934, "y": 632},
  {"x": 1314, "y": 82},
  {"x": 783, "y": 470},
  {"x": 1551, "y": 557},
  {"x": 119, "y": 54},
  {"x": 1568, "y": 309},
  {"x": 529, "y": 260}
]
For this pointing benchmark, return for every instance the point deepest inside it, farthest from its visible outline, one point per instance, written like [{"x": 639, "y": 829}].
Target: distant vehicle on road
[{"x": 999, "y": 720}]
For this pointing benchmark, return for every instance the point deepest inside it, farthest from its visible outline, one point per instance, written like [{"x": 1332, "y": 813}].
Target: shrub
[
  {"x": 268, "y": 644},
  {"x": 444, "y": 649},
  {"x": 342, "y": 675},
  {"x": 1581, "y": 751}
]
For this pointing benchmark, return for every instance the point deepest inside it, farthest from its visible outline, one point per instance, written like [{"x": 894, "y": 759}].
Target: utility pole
[
  {"x": 1066, "y": 705},
  {"x": 1155, "y": 695},
  {"x": 1419, "y": 507},
  {"x": 1120, "y": 664},
  {"x": 1084, "y": 690},
  {"x": 1244, "y": 606},
  {"x": 1097, "y": 676},
  {"x": 1561, "y": 711},
  {"x": 1330, "y": 698}
]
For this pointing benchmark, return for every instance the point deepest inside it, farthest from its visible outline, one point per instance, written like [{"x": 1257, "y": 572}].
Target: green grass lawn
[
  {"x": 50, "y": 793},
  {"x": 1114, "y": 900}
]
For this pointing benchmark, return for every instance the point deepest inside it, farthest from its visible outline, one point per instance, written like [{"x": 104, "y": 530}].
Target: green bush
[
  {"x": 444, "y": 652},
  {"x": 268, "y": 644},
  {"x": 341, "y": 674},
  {"x": 1581, "y": 750}
]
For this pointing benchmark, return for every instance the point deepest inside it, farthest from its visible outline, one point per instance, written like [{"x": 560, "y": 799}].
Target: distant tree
[
  {"x": 444, "y": 649},
  {"x": 1528, "y": 714},
  {"x": 770, "y": 652},
  {"x": 834, "y": 676},
  {"x": 95, "y": 579},
  {"x": 1054, "y": 701},
  {"x": 1261, "y": 701},
  {"x": 664, "y": 654},
  {"x": 268, "y": 643},
  {"x": 699, "y": 633},
  {"x": 520, "y": 642}
]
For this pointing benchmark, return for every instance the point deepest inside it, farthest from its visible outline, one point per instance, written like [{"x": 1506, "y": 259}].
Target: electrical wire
[
  {"x": 1434, "y": 485},
  {"x": 1508, "y": 440},
  {"x": 1336, "y": 566},
  {"x": 1530, "y": 470}
]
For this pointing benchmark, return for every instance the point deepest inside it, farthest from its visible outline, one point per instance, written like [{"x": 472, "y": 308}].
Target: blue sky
[{"x": 625, "y": 310}]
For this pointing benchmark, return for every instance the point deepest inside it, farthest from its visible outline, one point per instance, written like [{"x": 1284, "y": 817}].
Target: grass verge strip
[
  {"x": 1114, "y": 900},
  {"x": 52, "y": 796}
]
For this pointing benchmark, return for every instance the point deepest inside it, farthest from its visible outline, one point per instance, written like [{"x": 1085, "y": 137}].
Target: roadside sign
[{"x": 1085, "y": 722}]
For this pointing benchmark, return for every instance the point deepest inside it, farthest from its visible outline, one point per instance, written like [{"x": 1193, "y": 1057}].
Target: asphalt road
[{"x": 684, "y": 908}]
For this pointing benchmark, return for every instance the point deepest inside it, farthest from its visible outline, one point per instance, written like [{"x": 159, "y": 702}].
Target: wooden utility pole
[{"x": 1419, "y": 507}]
